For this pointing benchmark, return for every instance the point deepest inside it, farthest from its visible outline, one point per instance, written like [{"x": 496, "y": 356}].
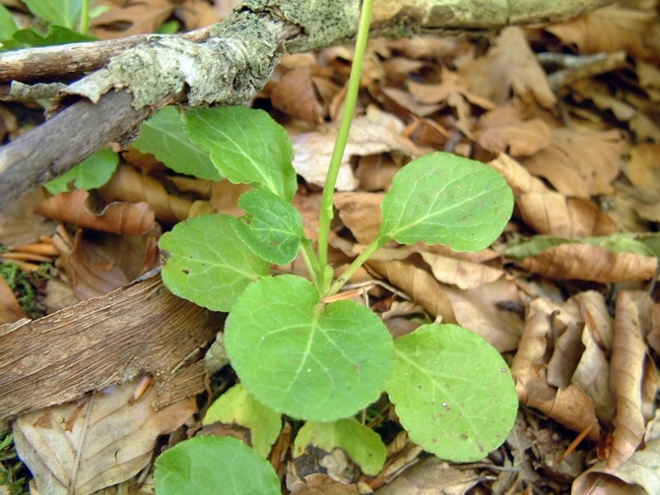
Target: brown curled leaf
[
  {"x": 586, "y": 262},
  {"x": 115, "y": 218}
]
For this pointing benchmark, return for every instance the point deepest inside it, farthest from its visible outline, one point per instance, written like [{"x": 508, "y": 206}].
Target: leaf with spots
[
  {"x": 453, "y": 392},
  {"x": 446, "y": 199},
  {"x": 206, "y": 263},
  {"x": 303, "y": 358}
]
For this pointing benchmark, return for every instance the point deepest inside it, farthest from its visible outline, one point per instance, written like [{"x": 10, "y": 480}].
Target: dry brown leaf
[
  {"x": 510, "y": 65},
  {"x": 580, "y": 164},
  {"x": 360, "y": 213},
  {"x": 295, "y": 95},
  {"x": 133, "y": 17},
  {"x": 549, "y": 212},
  {"x": 18, "y": 223},
  {"x": 197, "y": 14},
  {"x": 649, "y": 79},
  {"x": 419, "y": 285},
  {"x": 641, "y": 124},
  {"x": 504, "y": 130},
  {"x": 376, "y": 132},
  {"x": 10, "y": 310},
  {"x": 115, "y": 218},
  {"x": 430, "y": 477},
  {"x": 127, "y": 184},
  {"x": 587, "y": 262},
  {"x": 101, "y": 263},
  {"x": 461, "y": 273},
  {"x": 653, "y": 337},
  {"x": 644, "y": 167},
  {"x": 375, "y": 172},
  {"x": 566, "y": 356},
  {"x": 609, "y": 29},
  {"x": 96, "y": 442},
  {"x": 406, "y": 101},
  {"x": 451, "y": 82},
  {"x": 628, "y": 356},
  {"x": 322, "y": 484}
]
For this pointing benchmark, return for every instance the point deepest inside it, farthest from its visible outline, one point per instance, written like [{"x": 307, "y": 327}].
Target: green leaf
[
  {"x": 272, "y": 229},
  {"x": 212, "y": 465},
  {"x": 445, "y": 199},
  {"x": 163, "y": 136},
  {"x": 626, "y": 242},
  {"x": 7, "y": 24},
  {"x": 207, "y": 264},
  {"x": 236, "y": 405},
  {"x": 93, "y": 172},
  {"x": 303, "y": 358},
  {"x": 63, "y": 12},
  {"x": 57, "y": 35},
  {"x": 453, "y": 392},
  {"x": 362, "y": 444},
  {"x": 246, "y": 145}
]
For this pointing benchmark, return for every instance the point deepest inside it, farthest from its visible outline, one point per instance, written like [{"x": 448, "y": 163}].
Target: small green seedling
[{"x": 325, "y": 362}]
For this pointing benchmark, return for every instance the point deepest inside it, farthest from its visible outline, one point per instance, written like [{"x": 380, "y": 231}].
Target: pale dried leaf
[
  {"x": 116, "y": 218},
  {"x": 10, "y": 310},
  {"x": 376, "y": 132},
  {"x": 566, "y": 356},
  {"x": 644, "y": 167},
  {"x": 580, "y": 164},
  {"x": 127, "y": 184},
  {"x": 430, "y": 477},
  {"x": 504, "y": 130},
  {"x": 197, "y": 14},
  {"x": 18, "y": 223},
  {"x": 322, "y": 484},
  {"x": 510, "y": 65},
  {"x": 461, "y": 273},
  {"x": 375, "y": 172},
  {"x": 405, "y": 100},
  {"x": 133, "y": 17},
  {"x": 609, "y": 29},
  {"x": 628, "y": 355},
  {"x": 360, "y": 212},
  {"x": 96, "y": 442},
  {"x": 295, "y": 95},
  {"x": 586, "y": 262},
  {"x": 419, "y": 285}
]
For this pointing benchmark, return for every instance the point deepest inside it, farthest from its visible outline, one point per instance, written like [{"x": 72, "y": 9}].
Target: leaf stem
[
  {"x": 326, "y": 213},
  {"x": 311, "y": 262},
  {"x": 84, "y": 17},
  {"x": 368, "y": 251}
]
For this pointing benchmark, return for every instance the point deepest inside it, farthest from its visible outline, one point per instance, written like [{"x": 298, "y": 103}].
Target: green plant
[{"x": 298, "y": 355}]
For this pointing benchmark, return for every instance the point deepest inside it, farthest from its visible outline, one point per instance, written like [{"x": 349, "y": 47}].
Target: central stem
[{"x": 326, "y": 213}]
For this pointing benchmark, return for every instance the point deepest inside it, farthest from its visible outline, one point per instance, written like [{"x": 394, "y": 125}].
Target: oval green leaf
[
  {"x": 246, "y": 145},
  {"x": 212, "y": 465},
  {"x": 206, "y": 263},
  {"x": 303, "y": 358},
  {"x": 95, "y": 171},
  {"x": 453, "y": 392},
  {"x": 362, "y": 444},
  {"x": 163, "y": 136},
  {"x": 237, "y": 406},
  {"x": 446, "y": 199},
  {"x": 272, "y": 229}
]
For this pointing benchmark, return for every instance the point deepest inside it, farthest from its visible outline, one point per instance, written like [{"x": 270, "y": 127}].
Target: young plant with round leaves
[{"x": 298, "y": 354}]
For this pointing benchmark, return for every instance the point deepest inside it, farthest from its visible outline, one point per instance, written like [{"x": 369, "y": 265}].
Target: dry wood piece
[{"x": 141, "y": 328}]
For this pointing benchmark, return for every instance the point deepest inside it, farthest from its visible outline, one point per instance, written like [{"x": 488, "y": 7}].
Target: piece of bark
[{"x": 138, "y": 329}]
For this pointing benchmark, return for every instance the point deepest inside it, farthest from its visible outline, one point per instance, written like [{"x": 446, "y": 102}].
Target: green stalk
[
  {"x": 84, "y": 17},
  {"x": 326, "y": 214},
  {"x": 371, "y": 248}
]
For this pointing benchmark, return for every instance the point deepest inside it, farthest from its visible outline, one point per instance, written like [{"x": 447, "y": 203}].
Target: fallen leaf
[
  {"x": 133, "y": 17},
  {"x": 586, "y": 262},
  {"x": 10, "y": 310},
  {"x": 608, "y": 29},
  {"x": 628, "y": 355},
  {"x": 116, "y": 218},
  {"x": 18, "y": 223},
  {"x": 430, "y": 477},
  {"x": 296, "y": 96},
  {"x": 322, "y": 484},
  {"x": 95, "y": 442},
  {"x": 504, "y": 130}
]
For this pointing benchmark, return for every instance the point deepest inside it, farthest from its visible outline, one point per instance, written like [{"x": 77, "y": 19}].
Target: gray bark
[{"x": 233, "y": 65}]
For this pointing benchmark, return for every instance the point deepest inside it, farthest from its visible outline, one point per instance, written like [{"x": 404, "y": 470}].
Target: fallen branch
[{"x": 233, "y": 65}]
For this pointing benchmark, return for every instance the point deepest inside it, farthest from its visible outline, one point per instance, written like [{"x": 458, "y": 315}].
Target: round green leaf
[
  {"x": 212, "y": 465},
  {"x": 237, "y": 406},
  {"x": 446, "y": 199},
  {"x": 272, "y": 229},
  {"x": 303, "y": 358},
  {"x": 362, "y": 444},
  {"x": 246, "y": 145},
  {"x": 95, "y": 171},
  {"x": 164, "y": 137},
  {"x": 453, "y": 392},
  {"x": 206, "y": 263}
]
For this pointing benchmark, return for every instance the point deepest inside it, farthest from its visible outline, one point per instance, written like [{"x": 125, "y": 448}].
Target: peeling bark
[{"x": 232, "y": 66}]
